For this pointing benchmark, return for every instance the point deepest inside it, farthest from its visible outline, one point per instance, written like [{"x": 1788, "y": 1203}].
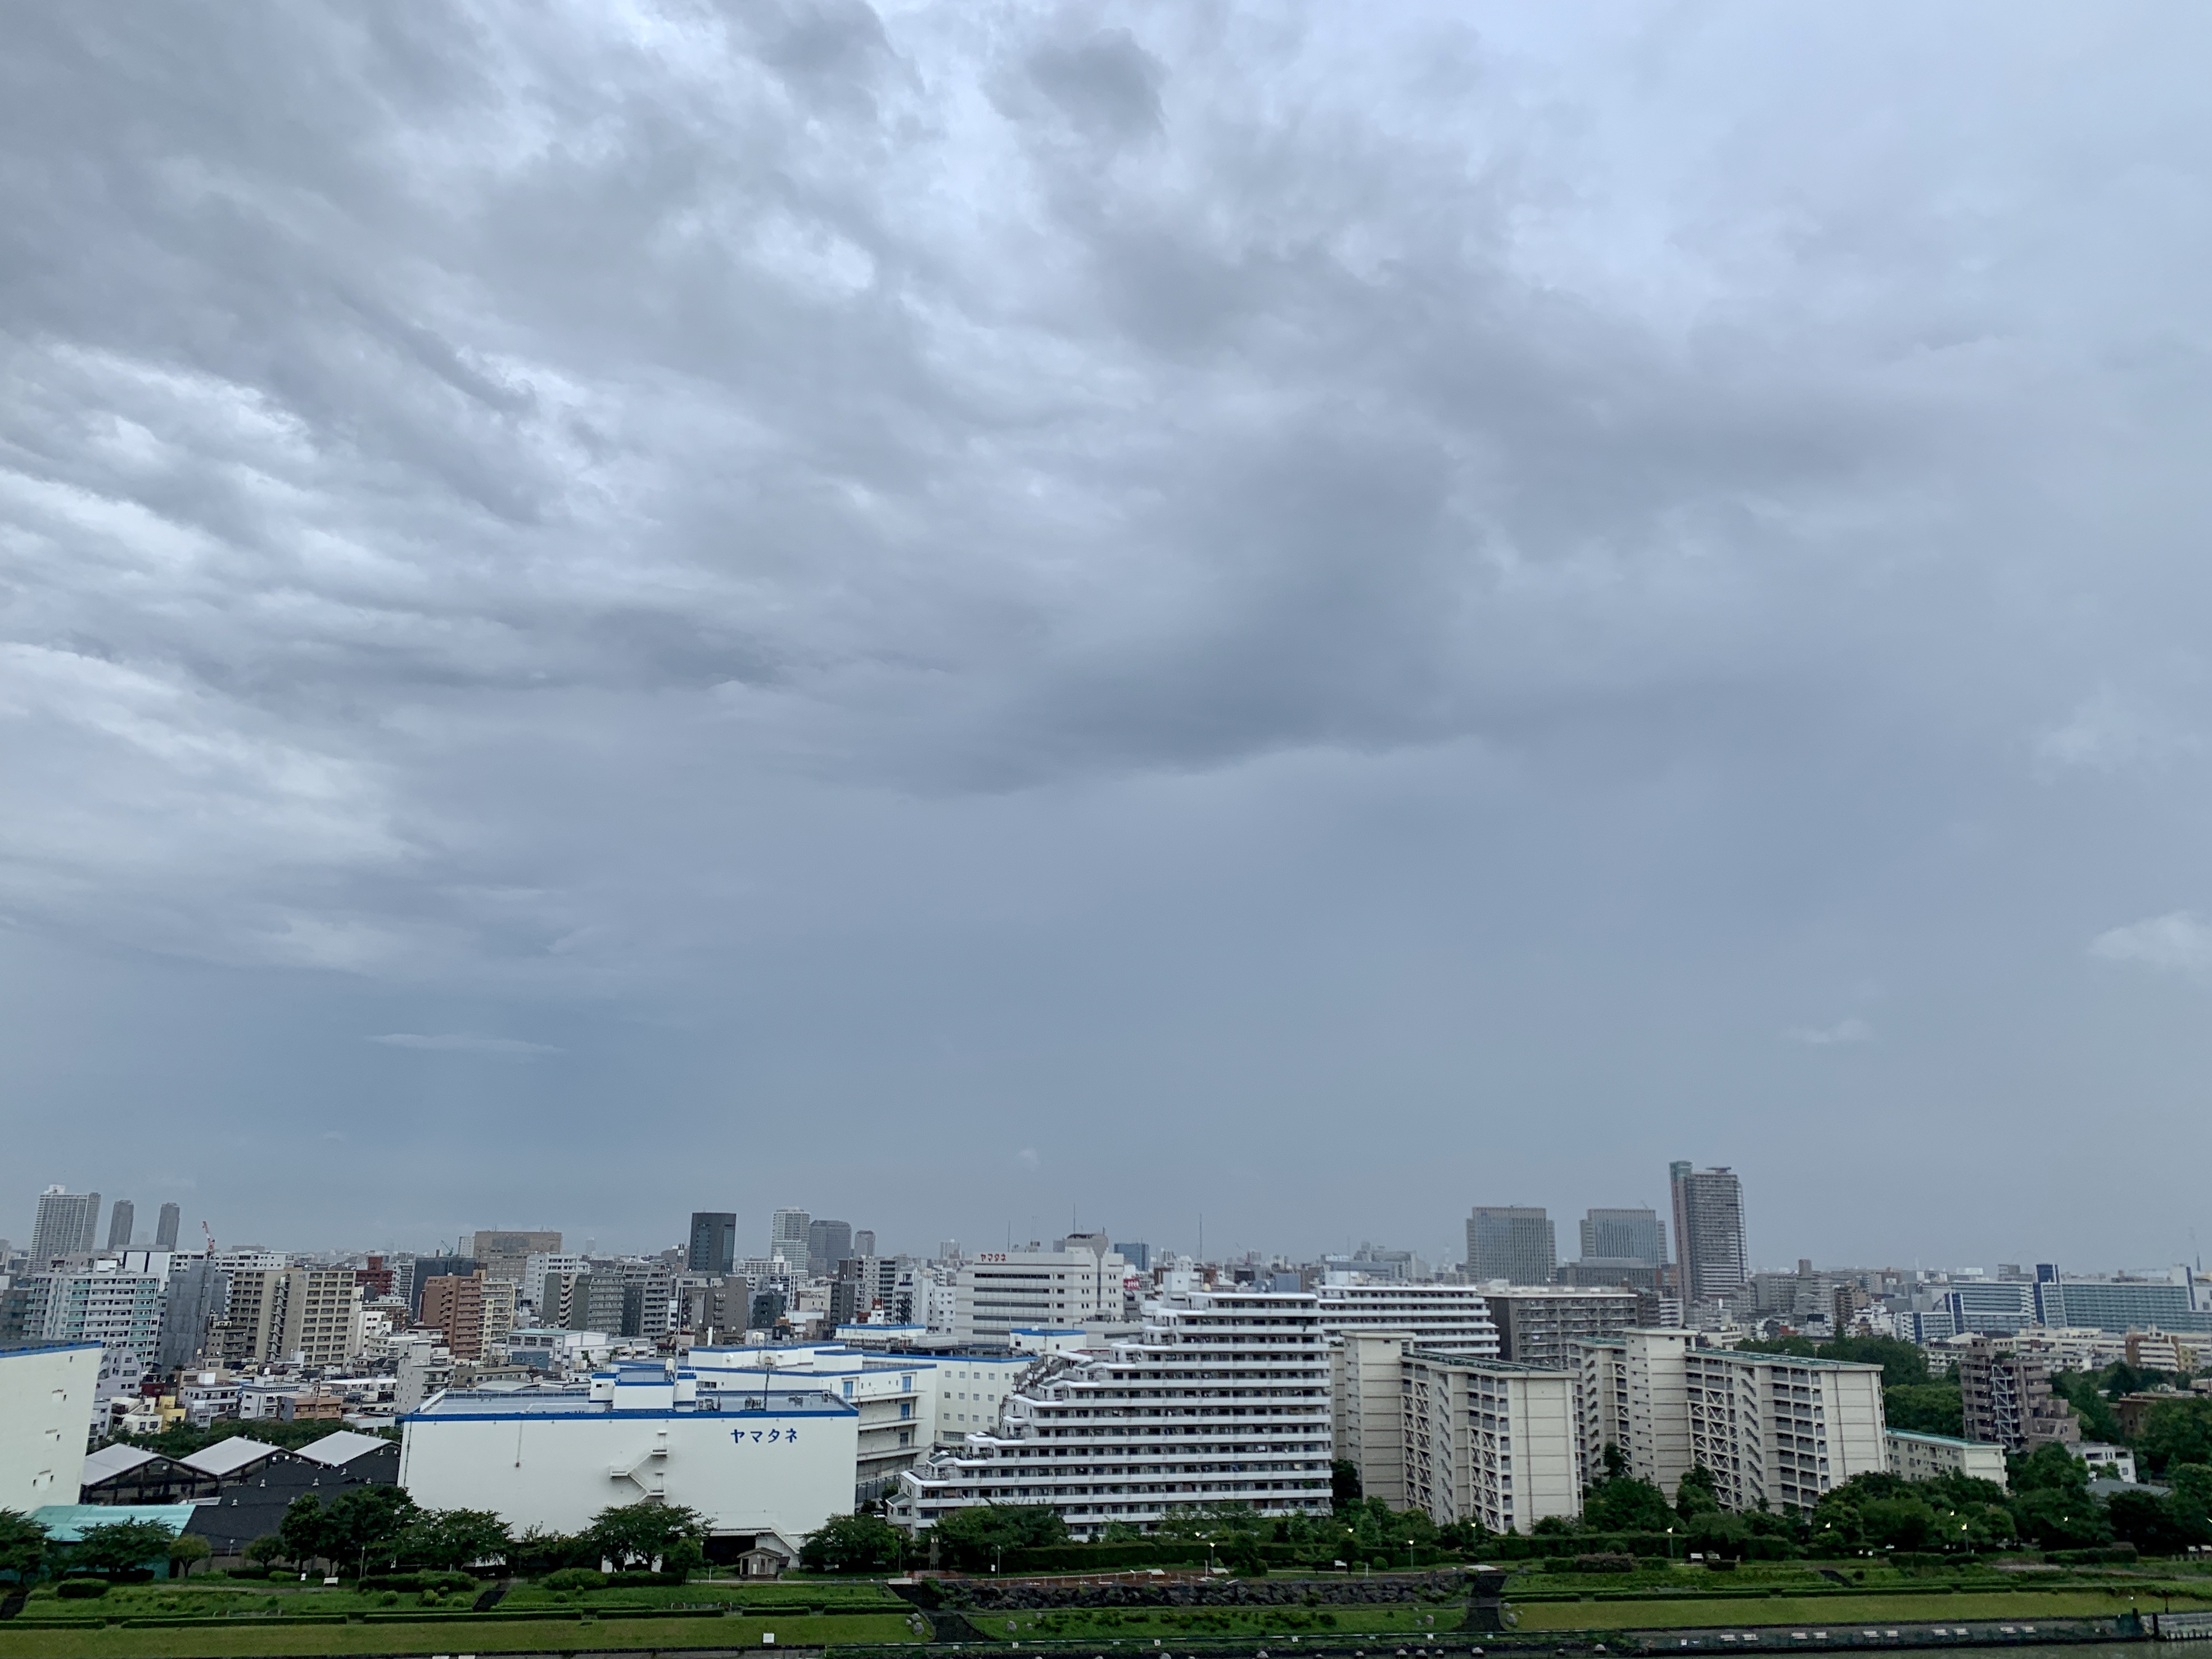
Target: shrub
[
  {"x": 80, "y": 1590},
  {"x": 1606, "y": 1562},
  {"x": 575, "y": 1578}
]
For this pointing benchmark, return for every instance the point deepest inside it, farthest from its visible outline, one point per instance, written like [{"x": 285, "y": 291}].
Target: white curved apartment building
[{"x": 1223, "y": 1400}]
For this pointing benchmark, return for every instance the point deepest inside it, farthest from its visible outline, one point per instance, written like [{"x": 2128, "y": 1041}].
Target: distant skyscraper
[
  {"x": 1512, "y": 1242},
  {"x": 1709, "y": 1236},
  {"x": 164, "y": 1231},
  {"x": 1137, "y": 1254},
  {"x": 863, "y": 1242},
  {"x": 120, "y": 1219},
  {"x": 827, "y": 1243},
  {"x": 714, "y": 1243},
  {"x": 786, "y": 1235},
  {"x": 66, "y": 1224},
  {"x": 507, "y": 1256},
  {"x": 1630, "y": 1235}
]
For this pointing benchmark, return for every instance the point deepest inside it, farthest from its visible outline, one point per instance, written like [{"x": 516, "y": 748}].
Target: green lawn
[
  {"x": 486, "y": 1636},
  {"x": 1831, "y": 1612},
  {"x": 1141, "y": 1623}
]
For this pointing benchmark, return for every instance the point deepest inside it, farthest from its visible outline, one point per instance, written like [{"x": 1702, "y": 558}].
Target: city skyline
[{"x": 1286, "y": 615}]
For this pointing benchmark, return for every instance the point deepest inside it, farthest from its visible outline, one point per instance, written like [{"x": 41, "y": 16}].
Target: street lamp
[
  {"x": 1409, "y": 1555},
  {"x": 1670, "y": 1544}
]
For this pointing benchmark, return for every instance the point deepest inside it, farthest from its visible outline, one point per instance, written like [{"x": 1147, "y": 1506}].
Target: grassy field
[
  {"x": 486, "y": 1636},
  {"x": 1830, "y": 1612}
]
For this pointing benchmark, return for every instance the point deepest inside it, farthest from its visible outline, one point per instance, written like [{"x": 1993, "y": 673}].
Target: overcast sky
[{"x": 972, "y": 616}]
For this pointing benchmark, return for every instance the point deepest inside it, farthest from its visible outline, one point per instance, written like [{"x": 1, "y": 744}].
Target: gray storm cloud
[{"x": 931, "y": 554}]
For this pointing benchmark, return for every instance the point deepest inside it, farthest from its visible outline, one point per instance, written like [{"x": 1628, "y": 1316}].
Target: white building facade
[
  {"x": 997, "y": 1292},
  {"x": 46, "y": 1416},
  {"x": 764, "y": 1470},
  {"x": 1924, "y": 1456},
  {"x": 1223, "y": 1398}
]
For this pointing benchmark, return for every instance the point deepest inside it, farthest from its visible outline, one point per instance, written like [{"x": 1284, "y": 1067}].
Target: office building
[
  {"x": 165, "y": 1230},
  {"x": 1775, "y": 1431},
  {"x": 1535, "y": 1324},
  {"x": 1926, "y": 1456},
  {"x": 2007, "y": 1399},
  {"x": 1489, "y": 1441},
  {"x": 1001, "y": 1290},
  {"x": 714, "y": 1248},
  {"x": 66, "y": 1225},
  {"x": 1136, "y": 1253},
  {"x": 863, "y": 1242},
  {"x": 1511, "y": 1244},
  {"x": 46, "y": 1408},
  {"x": 1630, "y": 1235},
  {"x": 120, "y": 1220},
  {"x": 507, "y": 1256},
  {"x": 1223, "y": 1400},
  {"x": 763, "y": 1469},
  {"x": 1709, "y": 1235},
  {"x": 2119, "y": 1305},
  {"x": 1602, "y": 1273},
  {"x": 787, "y": 1232},
  {"x": 1988, "y": 1307},
  {"x": 827, "y": 1243}
]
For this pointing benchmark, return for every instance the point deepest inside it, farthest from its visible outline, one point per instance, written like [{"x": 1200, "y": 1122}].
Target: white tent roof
[{"x": 343, "y": 1447}]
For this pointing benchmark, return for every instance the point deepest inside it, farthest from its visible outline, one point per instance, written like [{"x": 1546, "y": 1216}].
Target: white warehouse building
[
  {"x": 764, "y": 1468},
  {"x": 45, "y": 1417}
]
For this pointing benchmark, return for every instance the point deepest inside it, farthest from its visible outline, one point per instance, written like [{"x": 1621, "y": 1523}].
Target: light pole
[{"x": 1409, "y": 1555}]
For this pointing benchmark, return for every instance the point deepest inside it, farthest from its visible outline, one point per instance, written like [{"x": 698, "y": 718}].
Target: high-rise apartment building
[
  {"x": 1629, "y": 1235},
  {"x": 1536, "y": 1323},
  {"x": 714, "y": 1247},
  {"x": 1776, "y": 1431},
  {"x": 1709, "y": 1235},
  {"x": 165, "y": 1230},
  {"x": 1489, "y": 1441},
  {"x": 121, "y": 1311},
  {"x": 66, "y": 1224},
  {"x": 428, "y": 1268},
  {"x": 1224, "y": 1400},
  {"x": 2007, "y": 1399},
  {"x": 1446, "y": 1318},
  {"x": 827, "y": 1243},
  {"x": 322, "y": 1316},
  {"x": 120, "y": 1220},
  {"x": 507, "y": 1256},
  {"x": 475, "y": 1313},
  {"x": 1512, "y": 1242}
]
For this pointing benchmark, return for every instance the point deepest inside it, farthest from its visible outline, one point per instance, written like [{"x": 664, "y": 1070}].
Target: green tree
[
  {"x": 1925, "y": 1408},
  {"x": 22, "y": 1544},
  {"x": 973, "y": 1537},
  {"x": 1904, "y": 1364},
  {"x": 365, "y": 1525},
  {"x": 637, "y": 1535},
  {"x": 1625, "y": 1505},
  {"x": 185, "y": 1548},
  {"x": 1901, "y": 1523},
  {"x": 450, "y": 1540},
  {"x": 852, "y": 1543},
  {"x": 1696, "y": 1493},
  {"x": 2178, "y": 1431},
  {"x": 121, "y": 1545},
  {"x": 1344, "y": 1488},
  {"x": 305, "y": 1531}
]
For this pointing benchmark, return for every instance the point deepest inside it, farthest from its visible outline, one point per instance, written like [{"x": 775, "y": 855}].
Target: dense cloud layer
[{"x": 1108, "y": 603}]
